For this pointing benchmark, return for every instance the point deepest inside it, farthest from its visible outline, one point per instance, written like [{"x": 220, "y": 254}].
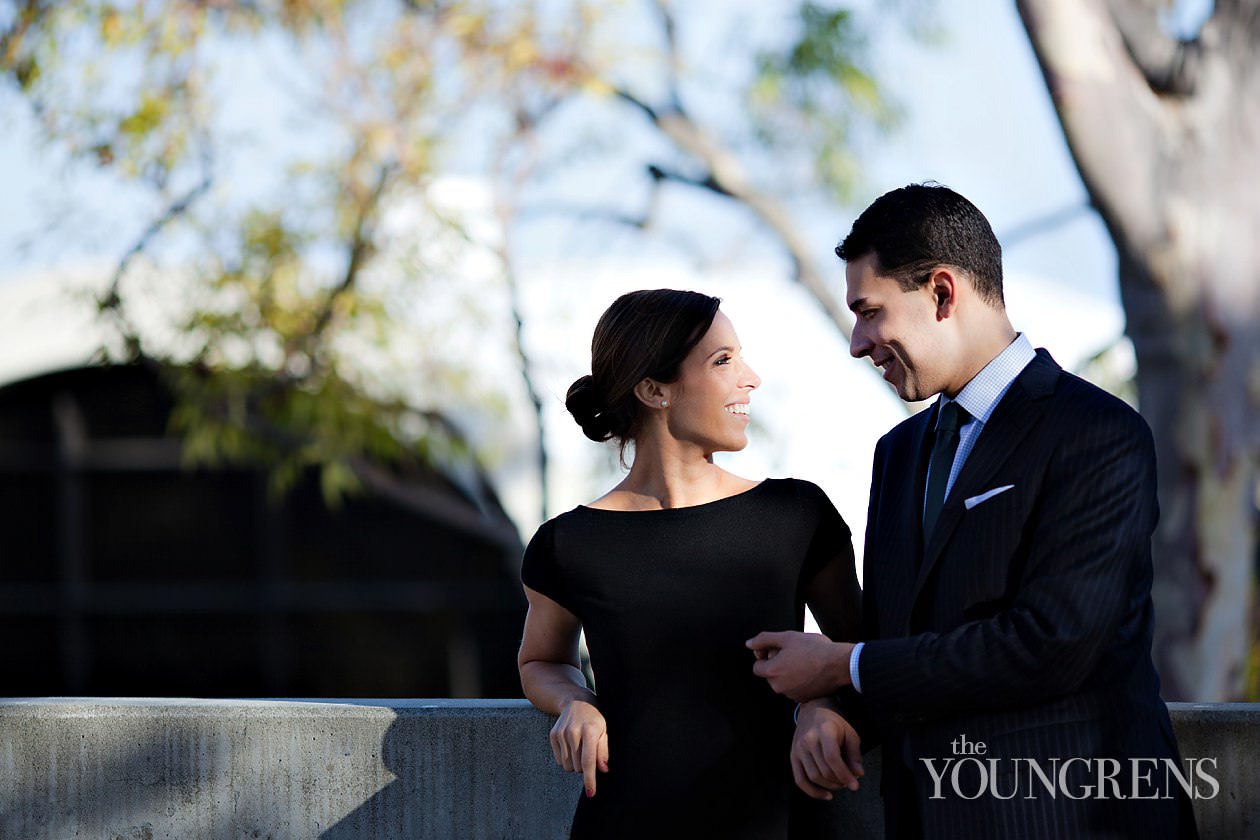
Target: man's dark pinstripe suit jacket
[{"x": 1024, "y": 623}]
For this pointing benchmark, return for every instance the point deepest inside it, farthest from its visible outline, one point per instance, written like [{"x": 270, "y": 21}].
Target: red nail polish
[{"x": 590, "y": 793}]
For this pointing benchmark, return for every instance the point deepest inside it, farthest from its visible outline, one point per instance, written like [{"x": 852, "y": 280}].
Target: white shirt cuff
[{"x": 854, "y": 677}]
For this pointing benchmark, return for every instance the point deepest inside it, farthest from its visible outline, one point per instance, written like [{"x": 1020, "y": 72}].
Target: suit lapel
[
  {"x": 1015, "y": 415},
  {"x": 902, "y": 532}
]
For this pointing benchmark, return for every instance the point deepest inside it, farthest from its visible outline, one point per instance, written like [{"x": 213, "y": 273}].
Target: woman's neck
[
  {"x": 671, "y": 474},
  {"x": 673, "y": 478}
]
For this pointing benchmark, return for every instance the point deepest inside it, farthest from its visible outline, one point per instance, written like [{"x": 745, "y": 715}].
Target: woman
[{"x": 669, "y": 573}]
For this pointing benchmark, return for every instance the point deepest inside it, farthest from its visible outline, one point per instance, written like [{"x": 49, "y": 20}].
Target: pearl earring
[{"x": 664, "y": 403}]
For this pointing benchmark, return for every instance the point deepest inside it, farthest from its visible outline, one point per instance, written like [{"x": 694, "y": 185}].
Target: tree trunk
[{"x": 1165, "y": 134}]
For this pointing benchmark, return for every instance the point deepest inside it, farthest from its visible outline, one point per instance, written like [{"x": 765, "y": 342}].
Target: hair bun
[{"x": 585, "y": 401}]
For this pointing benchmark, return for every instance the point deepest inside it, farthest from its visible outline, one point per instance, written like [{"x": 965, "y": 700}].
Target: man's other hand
[
  {"x": 801, "y": 665},
  {"x": 826, "y": 751}
]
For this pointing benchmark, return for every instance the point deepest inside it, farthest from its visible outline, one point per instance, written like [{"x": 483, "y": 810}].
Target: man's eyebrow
[{"x": 857, "y": 304}]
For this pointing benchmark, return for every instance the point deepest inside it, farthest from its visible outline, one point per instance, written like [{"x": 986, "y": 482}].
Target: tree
[
  {"x": 289, "y": 349},
  {"x": 1164, "y": 132},
  {"x": 807, "y": 98},
  {"x": 296, "y": 288}
]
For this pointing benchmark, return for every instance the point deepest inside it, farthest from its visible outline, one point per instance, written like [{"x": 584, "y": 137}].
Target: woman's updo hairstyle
[{"x": 643, "y": 335}]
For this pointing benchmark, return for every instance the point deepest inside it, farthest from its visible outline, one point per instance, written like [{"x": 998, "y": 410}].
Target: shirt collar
[{"x": 986, "y": 389}]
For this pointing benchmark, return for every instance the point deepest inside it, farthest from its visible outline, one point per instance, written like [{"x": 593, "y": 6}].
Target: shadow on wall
[
  {"x": 457, "y": 777},
  {"x": 136, "y": 768},
  {"x": 128, "y": 769},
  {"x": 454, "y": 776},
  {"x": 127, "y": 765}
]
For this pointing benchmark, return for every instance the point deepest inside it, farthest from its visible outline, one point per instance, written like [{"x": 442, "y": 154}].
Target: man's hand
[
  {"x": 826, "y": 751},
  {"x": 801, "y": 665}
]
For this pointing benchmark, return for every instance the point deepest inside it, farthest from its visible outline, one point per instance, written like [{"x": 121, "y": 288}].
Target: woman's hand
[
  {"x": 579, "y": 741},
  {"x": 553, "y": 681}
]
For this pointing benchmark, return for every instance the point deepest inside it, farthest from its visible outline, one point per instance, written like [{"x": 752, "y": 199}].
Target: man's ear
[
  {"x": 652, "y": 393},
  {"x": 944, "y": 284}
]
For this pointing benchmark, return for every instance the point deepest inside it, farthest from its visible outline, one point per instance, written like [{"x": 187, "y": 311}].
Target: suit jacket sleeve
[
  {"x": 1087, "y": 568},
  {"x": 851, "y": 703}
]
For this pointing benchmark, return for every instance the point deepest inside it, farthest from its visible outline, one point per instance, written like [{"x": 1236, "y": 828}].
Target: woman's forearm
[{"x": 551, "y": 686}]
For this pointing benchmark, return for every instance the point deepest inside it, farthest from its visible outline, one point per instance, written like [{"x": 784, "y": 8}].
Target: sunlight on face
[
  {"x": 711, "y": 399},
  {"x": 895, "y": 328}
]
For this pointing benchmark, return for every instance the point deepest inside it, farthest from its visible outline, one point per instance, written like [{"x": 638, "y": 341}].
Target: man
[{"x": 1007, "y": 571}]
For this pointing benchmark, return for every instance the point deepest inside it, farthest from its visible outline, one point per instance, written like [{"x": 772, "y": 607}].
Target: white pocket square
[{"x": 985, "y": 496}]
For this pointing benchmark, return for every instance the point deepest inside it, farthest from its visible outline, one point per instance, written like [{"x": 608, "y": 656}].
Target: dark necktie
[{"x": 952, "y": 417}]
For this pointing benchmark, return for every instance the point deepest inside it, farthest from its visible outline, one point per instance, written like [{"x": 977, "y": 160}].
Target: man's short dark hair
[{"x": 917, "y": 228}]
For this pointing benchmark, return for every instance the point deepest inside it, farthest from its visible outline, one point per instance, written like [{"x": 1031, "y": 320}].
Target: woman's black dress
[{"x": 698, "y": 745}]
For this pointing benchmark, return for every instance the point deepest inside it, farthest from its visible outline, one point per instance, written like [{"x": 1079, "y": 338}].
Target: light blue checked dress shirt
[{"x": 980, "y": 396}]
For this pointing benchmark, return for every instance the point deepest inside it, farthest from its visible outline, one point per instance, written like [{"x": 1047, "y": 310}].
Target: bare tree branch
[
  {"x": 512, "y": 281},
  {"x": 230, "y": 6},
  {"x": 111, "y": 302},
  {"x": 710, "y": 183},
  {"x": 1043, "y": 224},
  {"x": 1170, "y": 66},
  {"x": 506, "y": 196},
  {"x": 360, "y": 247},
  {"x": 670, "y": 29},
  {"x": 429, "y": 7},
  {"x": 725, "y": 175},
  {"x": 593, "y": 214},
  {"x": 359, "y": 251},
  {"x": 26, "y": 17},
  {"x": 647, "y": 109}
]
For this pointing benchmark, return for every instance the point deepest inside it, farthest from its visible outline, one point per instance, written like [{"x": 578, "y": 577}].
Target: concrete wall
[{"x": 149, "y": 769}]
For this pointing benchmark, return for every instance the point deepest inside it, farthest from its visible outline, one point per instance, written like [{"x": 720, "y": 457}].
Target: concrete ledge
[
  {"x": 1230, "y": 733},
  {"x": 128, "y": 769},
  {"x": 149, "y": 769}
]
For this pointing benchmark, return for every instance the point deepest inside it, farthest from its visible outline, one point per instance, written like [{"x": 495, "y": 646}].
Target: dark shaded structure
[{"x": 124, "y": 573}]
